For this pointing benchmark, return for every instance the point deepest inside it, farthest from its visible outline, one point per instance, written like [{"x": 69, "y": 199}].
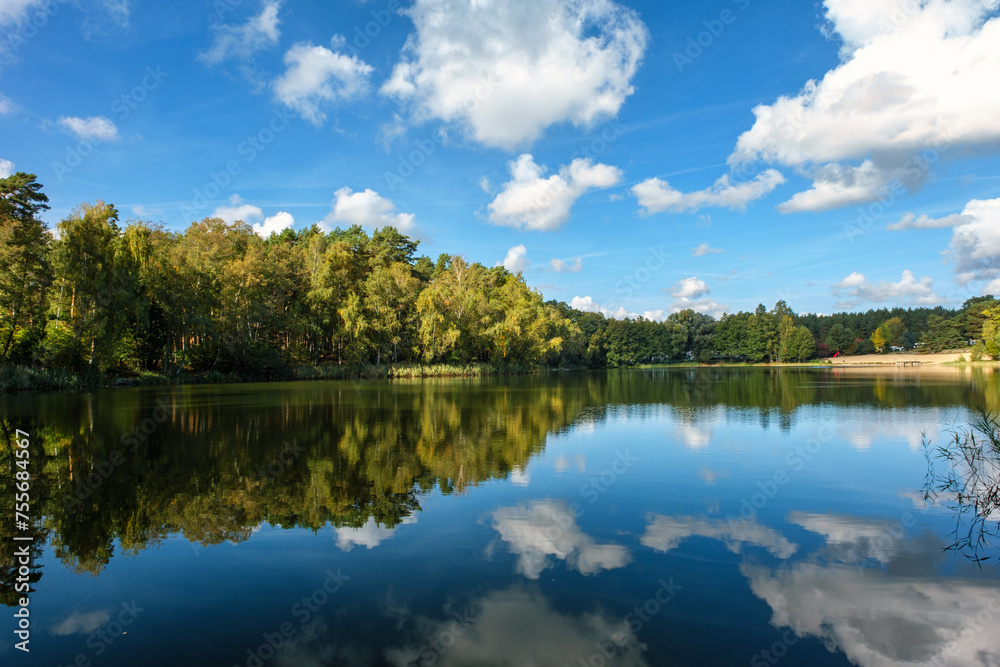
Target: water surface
[{"x": 681, "y": 517}]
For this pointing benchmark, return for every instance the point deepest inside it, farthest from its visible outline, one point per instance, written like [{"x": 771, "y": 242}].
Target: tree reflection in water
[{"x": 359, "y": 456}]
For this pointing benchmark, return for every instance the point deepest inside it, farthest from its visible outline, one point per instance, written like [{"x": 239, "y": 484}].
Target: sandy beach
[{"x": 895, "y": 359}]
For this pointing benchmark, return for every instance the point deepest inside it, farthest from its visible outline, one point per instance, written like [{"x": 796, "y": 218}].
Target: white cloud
[
  {"x": 316, "y": 77},
  {"x": 81, "y": 623},
  {"x": 516, "y": 260},
  {"x": 574, "y": 265},
  {"x": 520, "y": 477},
  {"x": 144, "y": 212},
  {"x": 369, "y": 535},
  {"x": 914, "y": 77},
  {"x": 13, "y": 12},
  {"x": 243, "y": 41},
  {"x": 665, "y": 533},
  {"x": 703, "y": 306},
  {"x": 505, "y": 71},
  {"x": 975, "y": 244},
  {"x": 530, "y": 202},
  {"x": 856, "y": 289},
  {"x": 836, "y": 186},
  {"x": 690, "y": 294},
  {"x": 690, "y": 288},
  {"x": 695, "y": 437},
  {"x": 910, "y": 615},
  {"x": 6, "y": 106},
  {"x": 95, "y": 128},
  {"x": 390, "y": 132},
  {"x": 588, "y": 305},
  {"x": 6, "y": 168},
  {"x": 368, "y": 209},
  {"x": 657, "y": 315},
  {"x": 547, "y": 528},
  {"x": 704, "y": 249},
  {"x": 855, "y": 279},
  {"x": 237, "y": 210},
  {"x": 517, "y": 627},
  {"x": 274, "y": 224},
  {"x": 851, "y": 539},
  {"x": 656, "y": 196},
  {"x": 910, "y": 221}
]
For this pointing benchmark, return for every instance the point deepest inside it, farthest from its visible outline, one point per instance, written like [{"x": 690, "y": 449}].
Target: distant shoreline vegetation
[{"x": 98, "y": 303}]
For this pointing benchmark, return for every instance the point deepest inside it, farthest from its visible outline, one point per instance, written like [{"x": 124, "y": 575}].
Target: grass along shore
[{"x": 22, "y": 378}]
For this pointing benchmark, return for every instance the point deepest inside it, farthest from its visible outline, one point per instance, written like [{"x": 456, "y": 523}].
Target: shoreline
[{"x": 19, "y": 379}]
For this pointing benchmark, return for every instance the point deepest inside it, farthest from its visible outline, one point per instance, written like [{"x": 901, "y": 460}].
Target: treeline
[
  {"x": 929, "y": 329},
  {"x": 98, "y": 297},
  {"x": 101, "y": 298}
]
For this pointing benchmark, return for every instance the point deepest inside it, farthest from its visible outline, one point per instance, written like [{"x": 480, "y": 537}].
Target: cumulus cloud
[
  {"x": 94, "y": 128},
  {"x": 317, "y": 77},
  {"x": 852, "y": 539},
  {"x": 241, "y": 42},
  {"x": 704, "y": 249},
  {"x": 856, "y": 289},
  {"x": 505, "y": 71},
  {"x": 690, "y": 288},
  {"x": 548, "y": 528},
  {"x": 6, "y": 168},
  {"x": 691, "y": 294},
  {"x": 975, "y": 244},
  {"x": 914, "y": 77},
  {"x": 836, "y": 186},
  {"x": 531, "y": 202},
  {"x": 656, "y": 196},
  {"x": 910, "y": 221},
  {"x": 274, "y": 224},
  {"x": 703, "y": 306},
  {"x": 369, "y": 535},
  {"x": 905, "y": 615},
  {"x": 238, "y": 210},
  {"x": 368, "y": 209},
  {"x": 516, "y": 260},
  {"x": 517, "y": 627},
  {"x": 665, "y": 533},
  {"x": 588, "y": 305},
  {"x": 574, "y": 265}
]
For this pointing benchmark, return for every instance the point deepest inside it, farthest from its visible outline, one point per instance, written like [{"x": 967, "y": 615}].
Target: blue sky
[{"x": 630, "y": 157}]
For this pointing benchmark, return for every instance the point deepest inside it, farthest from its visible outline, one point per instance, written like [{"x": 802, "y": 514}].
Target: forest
[{"x": 97, "y": 297}]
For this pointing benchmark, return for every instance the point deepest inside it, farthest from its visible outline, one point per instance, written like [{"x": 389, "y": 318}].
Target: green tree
[
  {"x": 95, "y": 293},
  {"x": 991, "y": 331},
  {"x": 25, "y": 272},
  {"x": 454, "y": 314},
  {"x": 841, "y": 339},
  {"x": 803, "y": 345},
  {"x": 894, "y": 330},
  {"x": 943, "y": 334}
]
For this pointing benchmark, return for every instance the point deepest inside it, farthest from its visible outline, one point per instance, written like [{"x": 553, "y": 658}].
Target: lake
[{"x": 664, "y": 517}]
